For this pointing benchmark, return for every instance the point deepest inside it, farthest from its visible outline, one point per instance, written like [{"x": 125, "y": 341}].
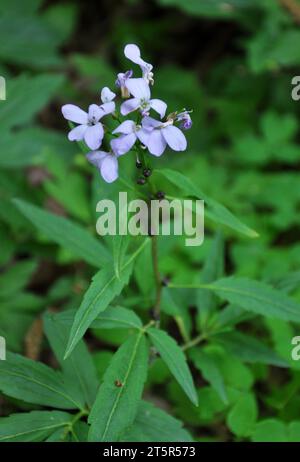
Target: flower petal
[
  {"x": 175, "y": 138},
  {"x": 139, "y": 88},
  {"x": 95, "y": 157},
  {"x": 143, "y": 136},
  {"x": 95, "y": 113},
  {"x": 125, "y": 127},
  {"x": 149, "y": 123},
  {"x": 107, "y": 95},
  {"x": 133, "y": 53},
  {"x": 123, "y": 144},
  {"x": 129, "y": 105},
  {"x": 77, "y": 133},
  {"x": 156, "y": 143},
  {"x": 93, "y": 136},
  {"x": 159, "y": 106},
  {"x": 74, "y": 114},
  {"x": 108, "y": 108},
  {"x": 109, "y": 168}
]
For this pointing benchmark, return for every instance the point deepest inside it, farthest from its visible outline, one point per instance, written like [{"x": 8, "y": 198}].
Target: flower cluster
[{"x": 146, "y": 131}]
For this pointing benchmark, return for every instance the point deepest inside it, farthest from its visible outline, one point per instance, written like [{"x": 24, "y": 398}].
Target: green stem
[{"x": 194, "y": 342}]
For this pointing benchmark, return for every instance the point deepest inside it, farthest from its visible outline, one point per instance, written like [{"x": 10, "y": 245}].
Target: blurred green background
[{"x": 232, "y": 62}]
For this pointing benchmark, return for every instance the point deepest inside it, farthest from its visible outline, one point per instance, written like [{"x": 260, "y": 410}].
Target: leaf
[
  {"x": 215, "y": 211},
  {"x": 210, "y": 371},
  {"x": 16, "y": 278},
  {"x": 113, "y": 317},
  {"x": 270, "y": 431},
  {"x": 35, "y": 383},
  {"x": 175, "y": 359},
  {"x": 65, "y": 233},
  {"x": 32, "y": 426},
  {"x": 29, "y": 93},
  {"x": 78, "y": 369},
  {"x": 155, "y": 425},
  {"x": 104, "y": 288},
  {"x": 242, "y": 417},
  {"x": 213, "y": 268},
  {"x": 249, "y": 349},
  {"x": 257, "y": 297},
  {"x": 120, "y": 243},
  {"x": 118, "y": 398}
]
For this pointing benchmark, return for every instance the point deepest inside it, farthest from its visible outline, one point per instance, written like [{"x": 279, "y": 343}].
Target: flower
[
  {"x": 107, "y": 97},
  {"x": 141, "y": 92},
  {"x": 161, "y": 135},
  {"x": 185, "y": 119},
  {"x": 90, "y": 128},
  {"x": 130, "y": 132},
  {"x": 121, "y": 83},
  {"x": 106, "y": 162},
  {"x": 132, "y": 52}
]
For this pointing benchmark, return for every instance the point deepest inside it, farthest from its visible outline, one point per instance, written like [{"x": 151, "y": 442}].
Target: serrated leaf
[
  {"x": 214, "y": 210},
  {"x": 155, "y": 425},
  {"x": 36, "y": 383},
  {"x": 249, "y": 349},
  {"x": 66, "y": 233},
  {"x": 78, "y": 369},
  {"x": 32, "y": 426},
  {"x": 210, "y": 371},
  {"x": 104, "y": 288},
  {"x": 119, "y": 396},
  {"x": 175, "y": 359}
]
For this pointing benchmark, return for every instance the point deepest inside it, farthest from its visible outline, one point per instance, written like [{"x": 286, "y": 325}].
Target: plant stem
[
  {"x": 158, "y": 284},
  {"x": 194, "y": 342}
]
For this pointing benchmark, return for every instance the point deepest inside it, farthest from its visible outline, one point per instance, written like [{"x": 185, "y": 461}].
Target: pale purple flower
[
  {"x": 121, "y": 83},
  {"x": 161, "y": 135},
  {"x": 140, "y": 90},
  {"x": 132, "y": 52},
  {"x": 90, "y": 128},
  {"x": 130, "y": 132},
  {"x": 107, "y": 164},
  {"x": 185, "y": 119},
  {"x": 107, "y": 97}
]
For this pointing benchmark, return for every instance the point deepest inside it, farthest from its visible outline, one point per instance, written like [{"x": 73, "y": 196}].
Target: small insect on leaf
[{"x": 118, "y": 383}]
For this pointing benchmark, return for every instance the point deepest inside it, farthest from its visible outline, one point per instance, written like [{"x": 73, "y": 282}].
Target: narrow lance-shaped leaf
[
  {"x": 210, "y": 371},
  {"x": 32, "y": 426},
  {"x": 78, "y": 370},
  {"x": 215, "y": 211},
  {"x": 252, "y": 296},
  {"x": 175, "y": 359},
  {"x": 36, "y": 383},
  {"x": 155, "y": 425},
  {"x": 66, "y": 233},
  {"x": 104, "y": 288},
  {"x": 119, "y": 396},
  {"x": 249, "y": 349}
]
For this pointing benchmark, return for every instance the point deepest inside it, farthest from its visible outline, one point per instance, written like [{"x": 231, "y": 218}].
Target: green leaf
[
  {"x": 210, "y": 371},
  {"x": 155, "y": 425},
  {"x": 249, "y": 349},
  {"x": 257, "y": 297},
  {"x": 34, "y": 382},
  {"x": 175, "y": 359},
  {"x": 242, "y": 417},
  {"x": 270, "y": 431},
  {"x": 32, "y": 426},
  {"x": 215, "y": 211},
  {"x": 16, "y": 278},
  {"x": 78, "y": 369},
  {"x": 213, "y": 268},
  {"x": 104, "y": 288},
  {"x": 117, "y": 402},
  {"x": 66, "y": 233},
  {"x": 29, "y": 93}
]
